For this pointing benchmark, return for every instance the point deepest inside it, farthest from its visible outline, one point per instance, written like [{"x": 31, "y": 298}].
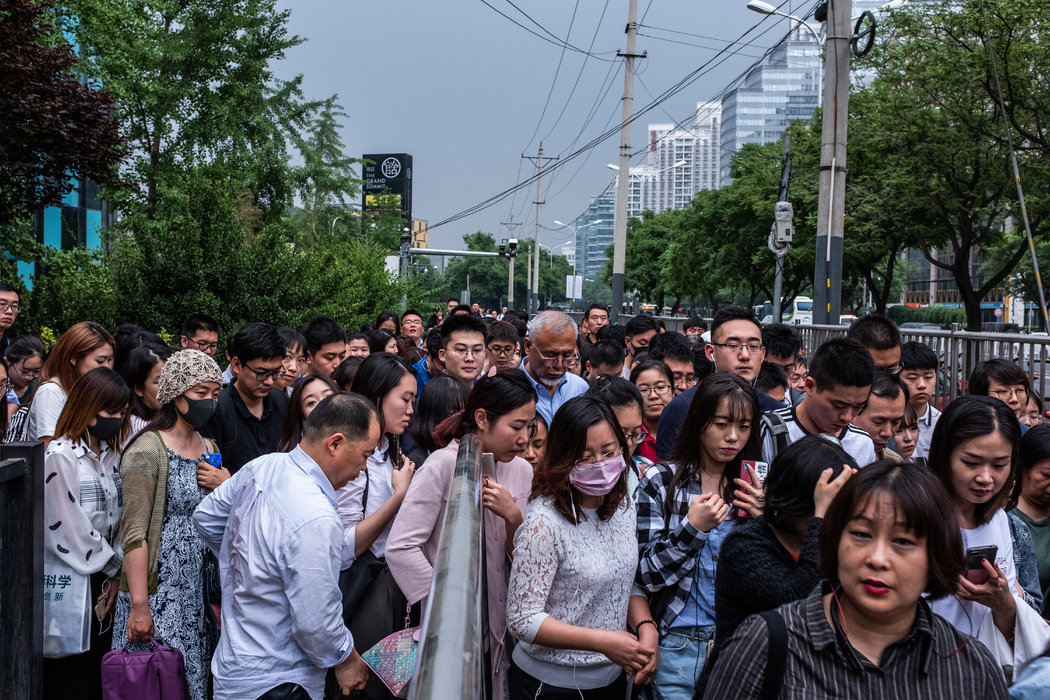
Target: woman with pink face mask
[{"x": 572, "y": 595}]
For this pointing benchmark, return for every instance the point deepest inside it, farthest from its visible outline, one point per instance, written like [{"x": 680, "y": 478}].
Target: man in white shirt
[
  {"x": 919, "y": 373},
  {"x": 837, "y": 387},
  {"x": 279, "y": 540}
]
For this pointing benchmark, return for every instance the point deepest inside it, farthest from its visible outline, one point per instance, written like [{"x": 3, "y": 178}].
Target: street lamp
[
  {"x": 764, "y": 8},
  {"x": 647, "y": 176},
  {"x": 575, "y": 234},
  {"x": 332, "y": 232}
]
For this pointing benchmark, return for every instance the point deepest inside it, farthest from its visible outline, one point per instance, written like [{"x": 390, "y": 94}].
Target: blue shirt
[
  {"x": 699, "y": 610},
  {"x": 279, "y": 541},
  {"x": 422, "y": 375},
  {"x": 571, "y": 386}
]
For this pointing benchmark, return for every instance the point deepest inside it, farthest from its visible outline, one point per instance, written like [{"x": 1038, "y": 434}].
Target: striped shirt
[
  {"x": 853, "y": 440},
  {"x": 933, "y": 661}
]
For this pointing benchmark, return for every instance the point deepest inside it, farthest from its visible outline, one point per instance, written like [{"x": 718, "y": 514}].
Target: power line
[
  {"x": 551, "y": 38},
  {"x": 557, "y": 72}
]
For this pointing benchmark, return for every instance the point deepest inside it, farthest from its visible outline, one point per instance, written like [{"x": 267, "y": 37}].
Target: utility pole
[
  {"x": 780, "y": 236},
  {"x": 538, "y": 160},
  {"x": 827, "y": 273},
  {"x": 511, "y": 225},
  {"x": 620, "y": 217}
]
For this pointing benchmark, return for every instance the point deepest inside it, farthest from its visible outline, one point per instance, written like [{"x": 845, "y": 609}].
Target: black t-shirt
[{"x": 241, "y": 436}]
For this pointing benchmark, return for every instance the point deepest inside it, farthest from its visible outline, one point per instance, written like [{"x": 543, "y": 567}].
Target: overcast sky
[{"x": 462, "y": 89}]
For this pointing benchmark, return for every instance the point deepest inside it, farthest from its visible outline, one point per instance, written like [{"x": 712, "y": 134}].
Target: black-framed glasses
[
  {"x": 737, "y": 347},
  {"x": 635, "y": 438},
  {"x": 13, "y": 307},
  {"x": 658, "y": 389},
  {"x": 203, "y": 345},
  {"x": 5, "y": 384},
  {"x": 560, "y": 358},
  {"x": 264, "y": 375},
  {"x": 502, "y": 351}
]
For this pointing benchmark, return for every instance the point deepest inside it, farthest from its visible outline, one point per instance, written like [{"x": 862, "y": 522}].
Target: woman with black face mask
[
  {"x": 82, "y": 513},
  {"x": 169, "y": 465}
]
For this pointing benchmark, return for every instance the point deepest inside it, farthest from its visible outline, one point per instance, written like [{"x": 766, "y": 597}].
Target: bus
[{"x": 799, "y": 311}]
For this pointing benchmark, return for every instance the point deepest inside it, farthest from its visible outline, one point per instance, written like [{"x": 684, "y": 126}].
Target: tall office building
[
  {"x": 783, "y": 88},
  {"x": 593, "y": 240}
]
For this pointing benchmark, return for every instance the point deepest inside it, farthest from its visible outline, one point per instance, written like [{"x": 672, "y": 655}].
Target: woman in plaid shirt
[{"x": 685, "y": 509}]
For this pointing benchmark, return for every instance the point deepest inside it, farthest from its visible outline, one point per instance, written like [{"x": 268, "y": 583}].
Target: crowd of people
[{"x": 711, "y": 513}]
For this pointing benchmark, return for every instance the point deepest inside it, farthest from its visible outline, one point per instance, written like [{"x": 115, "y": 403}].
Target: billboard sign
[{"x": 388, "y": 174}]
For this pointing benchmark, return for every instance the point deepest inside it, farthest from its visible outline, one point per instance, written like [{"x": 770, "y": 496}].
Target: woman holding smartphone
[
  {"x": 499, "y": 412},
  {"x": 975, "y": 454},
  {"x": 887, "y": 542},
  {"x": 572, "y": 598},
  {"x": 685, "y": 510}
]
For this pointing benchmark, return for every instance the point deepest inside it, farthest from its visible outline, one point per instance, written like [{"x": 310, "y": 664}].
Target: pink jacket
[{"x": 413, "y": 543}]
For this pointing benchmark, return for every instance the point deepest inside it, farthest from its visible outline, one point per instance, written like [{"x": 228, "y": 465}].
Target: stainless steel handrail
[{"x": 450, "y": 661}]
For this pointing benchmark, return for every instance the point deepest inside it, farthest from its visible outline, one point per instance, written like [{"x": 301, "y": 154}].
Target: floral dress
[{"x": 178, "y": 604}]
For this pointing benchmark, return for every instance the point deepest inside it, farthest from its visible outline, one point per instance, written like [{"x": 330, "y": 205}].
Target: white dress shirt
[
  {"x": 279, "y": 541},
  {"x": 353, "y": 508}
]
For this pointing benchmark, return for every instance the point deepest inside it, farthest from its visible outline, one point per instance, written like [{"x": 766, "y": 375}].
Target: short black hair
[
  {"x": 605, "y": 352},
  {"x": 1003, "y": 371},
  {"x": 732, "y": 313},
  {"x": 388, "y": 315},
  {"x": 378, "y": 340},
  {"x": 592, "y": 307},
  {"x": 200, "y": 322},
  {"x": 342, "y": 412},
  {"x": 502, "y": 330},
  {"x": 915, "y": 355},
  {"x": 1035, "y": 447},
  {"x": 842, "y": 362},
  {"x": 432, "y": 343},
  {"x": 672, "y": 346},
  {"x": 461, "y": 309},
  {"x": 702, "y": 365},
  {"x": 292, "y": 338},
  {"x": 617, "y": 392},
  {"x": 5, "y": 287},
  {"x": 875, "y": 331},
  {"x": 770, "y": 376},
  {"x": 613, "y": 332},
  {"x": 346, "y": 371},
  {"x": 256, "y": 341},
  {"x": 918, "y": 499},
  {"x": 322, "y": 330},
  {"x": 26, "y": 346},
  {"x": 781, "y": 340},
  {"x": 452, "y": 299},
  {"x": 460, "y": 323},
  {"x": 357, "y": 335},
  {"x": 888, "y": 386},
  {"x": 642, "y": 323},
  {"x": 695, "y": 322},
  {"x": 793, "y": 476},
  {"x": 411, "y": 312}
]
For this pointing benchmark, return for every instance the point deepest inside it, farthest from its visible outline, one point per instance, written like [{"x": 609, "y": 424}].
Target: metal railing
[
  {"x": 452, "y": 660},
  {"x": 21, "y": 569}
]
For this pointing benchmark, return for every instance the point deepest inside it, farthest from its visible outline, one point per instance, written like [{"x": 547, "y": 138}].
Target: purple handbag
[{"x": 159, "y": 674}]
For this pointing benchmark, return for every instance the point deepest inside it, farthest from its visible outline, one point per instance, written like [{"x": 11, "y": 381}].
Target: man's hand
[{"x": 352, "y": 673}]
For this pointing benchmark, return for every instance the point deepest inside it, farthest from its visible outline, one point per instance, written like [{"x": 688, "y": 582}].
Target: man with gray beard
[{"x": 551, "y": 353}]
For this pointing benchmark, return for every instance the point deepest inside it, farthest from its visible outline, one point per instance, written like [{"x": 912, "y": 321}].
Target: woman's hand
[
  {"x": 650, "y": 640},
  {"x": 402, "y": 476},
  {"x": 750, "y": 498},
  {"x": 496, "y": 497},
  {"x": 706, "y": 511},
  {"x": 109, "y": 592},
  {"x": 827, "y": 488},
  {"x": 140, "y": 623},
  {"x": 993, "y": 593},
  {"x": 626, "y": 651},
  {"x": 209, "y": 477}
]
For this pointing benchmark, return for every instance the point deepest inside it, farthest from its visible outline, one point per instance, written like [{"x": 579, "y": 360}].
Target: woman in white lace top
[{"x": 583, "y": 625}]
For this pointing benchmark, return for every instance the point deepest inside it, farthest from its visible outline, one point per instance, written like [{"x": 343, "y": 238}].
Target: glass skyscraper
[{"x": 593, "y": 241}]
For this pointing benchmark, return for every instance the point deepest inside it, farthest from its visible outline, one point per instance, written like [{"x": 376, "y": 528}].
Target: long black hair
[
  {"x": 688, "y": 451},
  {"x": 377, "y": 376}
]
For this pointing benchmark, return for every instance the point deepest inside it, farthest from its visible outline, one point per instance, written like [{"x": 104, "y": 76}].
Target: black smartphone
[{"x": 975, "y": 571}]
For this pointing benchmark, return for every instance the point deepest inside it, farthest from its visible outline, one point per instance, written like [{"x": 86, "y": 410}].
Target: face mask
[
  {"x": 105, "y": 428},
  {"x": 597, "y": 479},
  {"x": 198, "y": 411}
]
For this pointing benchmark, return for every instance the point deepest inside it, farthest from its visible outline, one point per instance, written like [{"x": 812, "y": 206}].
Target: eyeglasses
[
  {"x": 1018, "y": 392},
  {"x": 737, "y": 347},
  {"x": 13, "y": 307},
  {"x": 601, "y": 458},
  {"x": 501, "y": 351},
  {"x": 892, "y": 369},
  {"x": 31, "y": 373},
  {"x": 658, "y": 389},
  {"x": 463, "y": 353},
  {"x": 687, "y": 380},
  {"x": 203, "y": 345},
  {"x": 555, "y": 360},
  {"x": 264, "y": 375},
  {"x": 5, "y": 384},
  {"x": 635, "y": 438}
]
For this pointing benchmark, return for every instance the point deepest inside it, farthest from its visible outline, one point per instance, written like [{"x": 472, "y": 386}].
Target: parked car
[
  {"x": 919, "y": 325},
  {"x": 997, "y": 327}
]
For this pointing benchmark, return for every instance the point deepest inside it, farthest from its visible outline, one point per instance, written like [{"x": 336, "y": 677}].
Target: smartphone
[
  {"x": 212, "y": 458},
  {"x": 488, "y": 466},
  {"x": 761, "y": 469},
  {"x": 975, "y": 571}
]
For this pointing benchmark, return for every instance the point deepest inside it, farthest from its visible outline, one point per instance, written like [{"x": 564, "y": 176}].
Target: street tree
[{"x": 54, "y": 127}]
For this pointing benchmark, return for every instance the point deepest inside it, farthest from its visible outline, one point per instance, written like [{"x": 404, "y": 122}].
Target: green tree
[
  {"x": 647, "y": 238},
  {"x": 942, "y": 135}
]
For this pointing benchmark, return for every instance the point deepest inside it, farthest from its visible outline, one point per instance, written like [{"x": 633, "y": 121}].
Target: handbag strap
[
  {"x": 776, "y": 655},
  {"x": 160, "y": 498}
]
